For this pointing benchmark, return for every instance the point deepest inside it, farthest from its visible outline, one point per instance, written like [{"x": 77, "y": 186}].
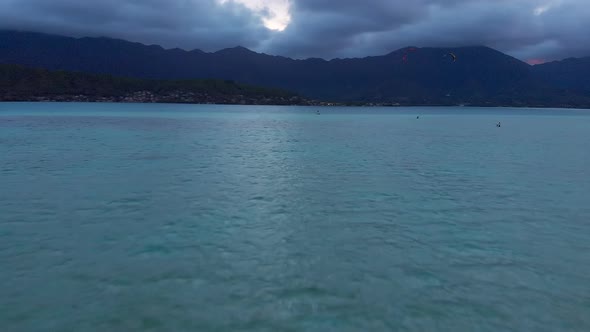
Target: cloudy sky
[{"x": 532, "y": 30}]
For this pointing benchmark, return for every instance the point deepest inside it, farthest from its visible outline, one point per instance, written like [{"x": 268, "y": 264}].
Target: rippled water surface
[{"x": 225, "y": 218}]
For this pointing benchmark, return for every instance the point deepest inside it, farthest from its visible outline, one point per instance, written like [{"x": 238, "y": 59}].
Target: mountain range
[{"x": 409, "y": 76}]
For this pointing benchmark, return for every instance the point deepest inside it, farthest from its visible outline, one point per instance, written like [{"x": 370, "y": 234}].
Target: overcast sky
[{"x": 532, "y": 30}]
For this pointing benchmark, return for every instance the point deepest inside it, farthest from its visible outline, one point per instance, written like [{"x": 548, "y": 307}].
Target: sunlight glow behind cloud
[
  {"x": 540, "y": 10},
  {"x": 275, "y": 14},
  {"x": 535, "y": 61}
]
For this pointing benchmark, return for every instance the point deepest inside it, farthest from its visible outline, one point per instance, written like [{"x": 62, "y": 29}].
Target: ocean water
[{"x": 246, "y": 218}]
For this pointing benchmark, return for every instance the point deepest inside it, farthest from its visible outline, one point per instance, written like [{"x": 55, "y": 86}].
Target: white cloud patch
[
  {"x": 541, "y": 9},
  {"x": 275, "y": 14}
]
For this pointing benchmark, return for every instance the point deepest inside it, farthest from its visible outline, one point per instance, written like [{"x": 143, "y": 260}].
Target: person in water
[{"x": 499, "y": 124}]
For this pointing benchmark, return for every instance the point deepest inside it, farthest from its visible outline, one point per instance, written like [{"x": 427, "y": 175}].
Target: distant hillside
[
  {"x": 572, "y": 73},
  {"x": 410, "y": 76},
  {"x": 19, "y": 83}
]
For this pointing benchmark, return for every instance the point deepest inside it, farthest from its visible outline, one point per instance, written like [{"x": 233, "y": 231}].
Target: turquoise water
[{"x": 227, "y": 218}]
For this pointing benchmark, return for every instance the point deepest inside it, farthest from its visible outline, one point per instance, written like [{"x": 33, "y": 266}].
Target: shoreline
[{"x": 302, "y": 104}]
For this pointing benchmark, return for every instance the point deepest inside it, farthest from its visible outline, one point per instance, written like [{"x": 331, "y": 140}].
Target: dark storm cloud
[
  {"x": 171, "y": 23},
  {"x": 527, "y": 29}
]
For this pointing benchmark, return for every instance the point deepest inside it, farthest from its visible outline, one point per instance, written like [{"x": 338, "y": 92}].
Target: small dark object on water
[
  {"x": 499, "y": 124},
  {"x": 317, "y": 112},
  {"x": 418, "y": 117}
]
